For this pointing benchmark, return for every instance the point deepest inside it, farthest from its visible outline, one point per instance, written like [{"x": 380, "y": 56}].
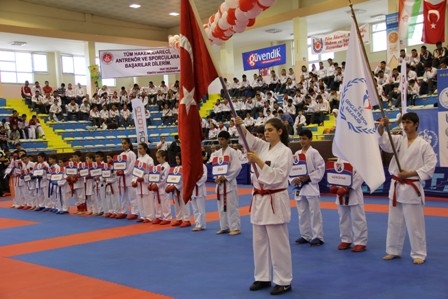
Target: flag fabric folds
[
  {"x": 408, "y": 10},
  {"x": 403, "y": 87},
  {"x": 355, "y": 139},
  {"x": 196, "y": 73},
  {"x": 433, "y": 22}
]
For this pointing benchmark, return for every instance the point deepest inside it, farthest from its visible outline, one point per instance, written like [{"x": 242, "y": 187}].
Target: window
[
  {"x": 75, "y": 65},
  {"x": 316, "y": 58},
  {"x": 415, "y": 37},
  {"x": 40, "y": 63},
  {"x": 16, "y": 67},
  {"x": 379, "y": 37},
  {"x": 105, "y": 81}
]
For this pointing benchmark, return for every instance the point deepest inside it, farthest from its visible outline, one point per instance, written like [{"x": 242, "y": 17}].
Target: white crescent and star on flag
[{"x": 188, "y": 96}]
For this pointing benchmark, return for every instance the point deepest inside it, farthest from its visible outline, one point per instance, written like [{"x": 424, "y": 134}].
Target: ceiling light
[
  {"x": 378, "y": 17},
  {"x": 135, "y": 5},
  {"x": 174, "y": 14},
  {"x": 17, "y": 43},
  {"x": 273, "y": 30}
]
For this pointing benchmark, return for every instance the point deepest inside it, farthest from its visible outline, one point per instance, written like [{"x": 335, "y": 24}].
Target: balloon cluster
[{"x": 234, "y": 16}]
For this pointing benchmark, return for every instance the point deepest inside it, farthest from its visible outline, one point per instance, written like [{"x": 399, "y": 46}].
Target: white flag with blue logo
[
  {"x": 404, "y": 87},
  {"x": 355, "y": 139}
]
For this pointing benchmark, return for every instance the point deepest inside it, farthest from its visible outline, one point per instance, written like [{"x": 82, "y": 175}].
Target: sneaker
[
  {"x": 131, "y": 217},
  {"x": 316, "y": 242},
  {"x": 235, "y": 232},
  {"x": 302, "y": 240},
  {"x": 165, "y": 222},
  {"x": 197, "y": 229},
  {"x": 259, "y": 285},
  {"x": 389, "y": 257},
  {"x": 185, "y": 224},
  {"x": 278, "y": 290},
  {"x": 222, "y": 231},
  {"x": 359, "y": 248},
  {"x": 176, "y": 223},
  {"x": 344, "y": 245},
  {"x": 157, "y": 221}
]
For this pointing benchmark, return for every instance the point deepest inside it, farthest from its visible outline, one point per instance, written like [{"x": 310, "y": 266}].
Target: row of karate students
[{"x": 103, "y": 190}]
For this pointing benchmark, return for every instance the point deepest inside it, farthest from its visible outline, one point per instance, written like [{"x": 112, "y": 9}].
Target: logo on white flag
[{"x": 354, "y": 114}]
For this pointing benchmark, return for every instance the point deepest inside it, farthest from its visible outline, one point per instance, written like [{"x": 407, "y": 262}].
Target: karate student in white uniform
[
  {"x": 308, "y": 198},
  {"x": 198, "y": 202},
  {"x": 128, "y": 195},
  {"x": 163, "y": 209},
  {"x": 352, "y": 217},
  {"x": 181, "y": 209},
  {"x": 227, "y": 188},
  {"x": 270, "y": 211},
  {"x": 145, "y": 199},
  {"x": 407, "y": 197}
]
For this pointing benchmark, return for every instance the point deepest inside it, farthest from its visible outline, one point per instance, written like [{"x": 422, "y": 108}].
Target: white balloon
[
  {"x": 229, "y": 33},
  {"x": 266, "y": 3},
  {"x": 218, "y": 42},
  {"x": 222, "y": 23},
  {"x": 223, "y": 8},
  {"x": 240, "y": 15},
  {"x": 238, "y": 29},
  {"x": 241, "y": 23},
  {"x": 255, "y": 11},
  {"x": 232, "y": 3}
]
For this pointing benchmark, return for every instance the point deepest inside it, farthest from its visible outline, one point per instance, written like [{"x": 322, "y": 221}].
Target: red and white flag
[
  {"x": 197, "y": 71},
  {"x": 408, "y": 11},
  {"x": 355, "y": 139},
  {"x": 433, "y": 22}
]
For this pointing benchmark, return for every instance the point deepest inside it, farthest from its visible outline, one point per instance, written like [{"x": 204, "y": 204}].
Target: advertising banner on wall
[
  {"x": 428, "y": 128},
  {"x": 264, "y": 58},
  {"x": 442, "y": 87},
  {"x": 135, "y": 63},
  {"x": 443, "y": 138},
  {"x": 393, "y": 40},
  {"x": 336, "y": 41}
]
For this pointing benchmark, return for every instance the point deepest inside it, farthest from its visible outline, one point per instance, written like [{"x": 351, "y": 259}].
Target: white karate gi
[
  {"x": 145, "y": 198},
  {"x": 230, "y": 219},
  {"x": 271, "y": 213},
  {"x": 352, "y": 217},
  {"x": 308, "y": 199},
  {"x": 181, "y": 210},
  {"x": 198, "y": 200},
  {"x": 408, "y": 214},
  {"x": 163, "y": 209},
  {"x": 128, "y": 195}
]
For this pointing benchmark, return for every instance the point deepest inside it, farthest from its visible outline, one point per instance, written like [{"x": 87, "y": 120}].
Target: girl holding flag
[{"x": 270, "y": 212}]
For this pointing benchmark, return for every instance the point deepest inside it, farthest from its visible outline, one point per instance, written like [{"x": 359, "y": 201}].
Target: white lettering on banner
[
  {"x": 119, "y": 63},
  {"x": 138, "y": 111},
  {"x": 274, "y": 55},
  {"x": 336, "y": 41}
]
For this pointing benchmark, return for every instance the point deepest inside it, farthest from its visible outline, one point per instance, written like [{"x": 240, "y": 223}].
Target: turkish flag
[
  {"x": 434, "y": 22},
  {"x": 197, "y": 71}
]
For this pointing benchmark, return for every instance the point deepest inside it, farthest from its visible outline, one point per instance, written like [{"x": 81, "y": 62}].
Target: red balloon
[
  {"x": 231, "y": 16},
  {"x": 246, "y": 5},
  {"x": 211, "y": 19},
  {"x": 251, "y": 22}
]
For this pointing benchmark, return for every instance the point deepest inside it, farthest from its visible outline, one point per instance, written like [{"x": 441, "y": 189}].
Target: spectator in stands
[
  {"x": 382, "y": 67},
  {"x": 55, "y": 112},
  {"x": 163, "y": 87},
  {"x": 334, "y": 100},
  {"x": 38, "y": 103},
  {"x": 114, "y": 100},
  {"x": 94, "y": 116},
  {"x": 299, "y": 122},
  {"x": 105, "y": 117},
  {"x": 221, "y": 127},
  {"x": 14, "y": 136},
  {"x": 26, "y": 93},
  {"x": 126, "y": 117},
  {"x": 171, "y": 99},
  {"x": 80, "y": 94},
  {"x": 245, "y": 87},
  {"x": 233, "y": 131},
  {"x": 426, "y": 59},
  {"x": 60, "y": 92},
  {"x": 70, "y": 93},
  {"x": 440, "y": 52},
  {"x": 175, "y": 87},
  {"x": 162, "y": 145},
  {"x": 166, "y": 115},
  {"x": 103, "y": 90},
  {"x": 123, "y": 97},
  {"x": 84, "y": 110},
  {"x": 4, "y": 135},
  {"x": 161, "y": 99},
  {"x": 72, "y": 110},
  {"x": 37, "y": 87},
  {"x": 213, "y": 132},
  {"x": 429, "y": 83},
  {"x": 175, "y": 113},
  {"x": 174, "y": 150},
  {"x": 152, "y": 93},
  {"x": 47, "y": 88},
  {"x": 22, "y": 126}
]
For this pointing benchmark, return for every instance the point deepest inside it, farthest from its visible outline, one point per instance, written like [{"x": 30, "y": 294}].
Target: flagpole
[
  {"x": 373, "y": 80},
  {"x": 221, "y": 78}
]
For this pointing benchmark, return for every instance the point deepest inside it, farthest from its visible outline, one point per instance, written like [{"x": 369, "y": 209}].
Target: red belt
[
  {"x": 111, "y": 188},
  {"x": 409, "y": 182},
  {"x": 263, "y": 192},
  {"x": 225, "y": 196}
]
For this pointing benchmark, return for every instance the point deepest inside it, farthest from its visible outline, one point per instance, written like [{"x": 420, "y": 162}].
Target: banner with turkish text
[
  {"x": 139, "y": 115},
  {"x": 135, "y": 63}
]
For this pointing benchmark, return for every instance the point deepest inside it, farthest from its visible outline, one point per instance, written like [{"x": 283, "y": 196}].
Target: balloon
[
  {"x": 211, "y": 19},
  {"x": 240, "y": 15},
  {"x": 223, "y": 23},
  {"x": 251, "y": 22},
  {"x": 265, "y": 4},
  {"x": 223, "y": 8},
  {"x": 246, "y": 5},
  {"x": 228, "y": 33},
  {"x": 253, "y": 12},
  {"x": 242, "y": 23},
  {"x": 232, "y": 3},
  {"x": 219, "y": 42},
  {"x": 231, "y": 16},
  {"x": 238, "y": 29}
]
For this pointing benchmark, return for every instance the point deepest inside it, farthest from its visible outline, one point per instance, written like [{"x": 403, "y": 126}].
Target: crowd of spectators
[
  {"x": 105, "y": 108},
  {"x": 306, "y": 98}
]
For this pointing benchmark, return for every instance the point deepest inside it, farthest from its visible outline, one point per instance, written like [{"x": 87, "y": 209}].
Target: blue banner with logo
[
  {"x": 264, "y": 58},
  {"x": 393, "y": 41},
  {"x": 428, "y": 128},
  {"x": 442, "y": 88}
]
